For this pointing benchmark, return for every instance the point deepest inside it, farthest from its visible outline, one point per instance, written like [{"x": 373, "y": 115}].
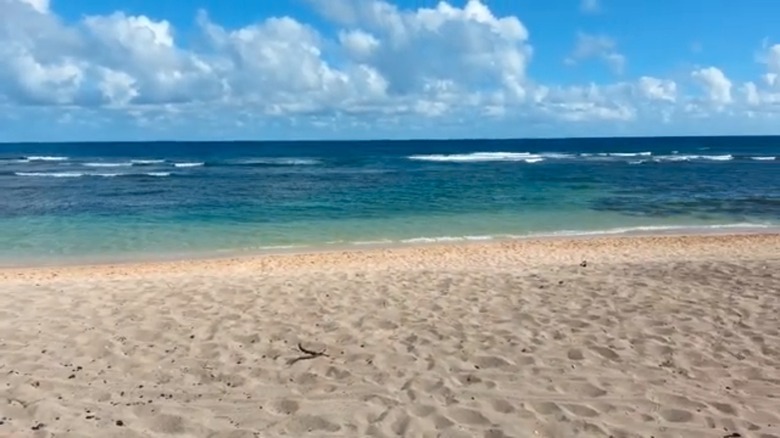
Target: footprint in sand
[
  {"x": 676, "y": 415},
  {"x": 285, "y": 407},
  {"x": 575, "y": 354},
  {"x": 492, "y": 362},
  {"x": 167, "y": 424},
  {"x": 310, "y": 423},
  {"x": 503, "y": 406},
  {"x": 468, "y": 416},
  {"x": 580, "y": 410},
  {"x": 606, "y": 353}
]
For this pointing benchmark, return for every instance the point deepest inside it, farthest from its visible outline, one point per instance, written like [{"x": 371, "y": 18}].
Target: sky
[{"x": 134, "y": 70}]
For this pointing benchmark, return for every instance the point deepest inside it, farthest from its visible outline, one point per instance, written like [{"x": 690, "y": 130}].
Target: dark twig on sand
[{"x": 309, "y": 354}]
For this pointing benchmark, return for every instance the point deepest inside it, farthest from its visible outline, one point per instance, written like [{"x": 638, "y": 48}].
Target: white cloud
[
  {"x": 41, "y": 6},
  {"x": 590, "y": 6},
  {"x": 751, "y": 93},
  {"x": 715, "y": 84},
  {"x": 377, "y": 67},
  {"x": 359, "y": 44},
  {"x": 597, "y": 46},
  {"x": 467, "y": 46},
  {"x": 774, "y": 58},
  {"x": 764, "y": 97},
  {"x": 658, "y": 89}
]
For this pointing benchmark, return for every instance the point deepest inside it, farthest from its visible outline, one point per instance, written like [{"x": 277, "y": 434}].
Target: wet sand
[{"x": 635, "y": 336}]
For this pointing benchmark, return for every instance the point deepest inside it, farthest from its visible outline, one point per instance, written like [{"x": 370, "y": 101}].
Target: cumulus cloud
[
  {"x": 764, "y": 95},
  {"x": 658, "y": 89},
  {"x": 715, "y": 84},
  {"x": 381, "y": 66},
  {"x": 41, "y": 6},
  {"x": 597, "y": 46}
]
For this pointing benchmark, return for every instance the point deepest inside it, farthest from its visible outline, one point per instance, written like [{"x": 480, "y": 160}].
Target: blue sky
[{"x": 208, "y": 69}]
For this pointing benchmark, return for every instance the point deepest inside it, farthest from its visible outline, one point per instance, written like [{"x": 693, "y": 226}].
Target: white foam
[
  {"x": 763, "y": 158},
  {"x": 107, "y": 164},
  {"x": 189, "y": 164},
  {"x": 635, "y": 162},
  {"x": 51, "y": 174},
  {"x": 584, "y": 233},
  {"x": 142, "y": 162},
  {"x": 477, "y": 157},
  {"x": 657, "y": 228},
  {"x": 533, "y": 160},
  {"x": 557, "y": 155},
  {"x": 369, "y": 242},
  {"x": 630, "y": 154},
  {"x": 280, "y": 161},
  {"x": 726, "y": 157},
  {"x": 443, "y": 239},
  {"x": 159, "y": 174},
  {"x": 45, "y": 158}
]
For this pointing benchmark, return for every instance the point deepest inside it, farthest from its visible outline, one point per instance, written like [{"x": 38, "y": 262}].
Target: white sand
[{"x": 663, "y": 337}]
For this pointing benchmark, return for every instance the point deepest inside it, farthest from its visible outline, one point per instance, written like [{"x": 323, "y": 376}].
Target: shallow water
[{"x": 112, "y": 199}]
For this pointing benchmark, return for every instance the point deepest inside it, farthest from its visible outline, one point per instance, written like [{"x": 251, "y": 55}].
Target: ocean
[{"x": 113, "y": 201}]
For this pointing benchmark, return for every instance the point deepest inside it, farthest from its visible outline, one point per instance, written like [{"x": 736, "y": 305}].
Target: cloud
[
  {"x": 41, "y": 6},
  {"x": 600, "y": 47},
  {"x": 377, "y": 68},
  {"x": 764, "y": 96},
  {"x": 773, "y": 59},
  {"x": 590, "y": 6},
  {"x": 658, "y": 89},
  {"x": 715, "y": 84}
]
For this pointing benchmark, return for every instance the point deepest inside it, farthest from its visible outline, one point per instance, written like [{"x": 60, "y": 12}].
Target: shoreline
[
  {"x": 61, "y": 261},
  {"x": 542, "y": 250}
]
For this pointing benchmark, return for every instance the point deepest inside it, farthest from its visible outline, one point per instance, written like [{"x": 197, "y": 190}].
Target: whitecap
[
  {"x": 188, "y": 164},
  {"x": 726, "y": 157},
  {"x": 763, "y": 158},
  {"x": 630, "y": 154},
  {"x": 144, "y": 162},
  {"x": 277, "y": 161},
  {"x": 158, "y": 174},
  {"x": 45, "y": 158},
  {"x": 476, "y": 157},
  {"x": 556, "y": 155},
  {"x": 533, "y": 160},
  {"x": 107, "y": 164},
  {"x": 51, "y": 174}
]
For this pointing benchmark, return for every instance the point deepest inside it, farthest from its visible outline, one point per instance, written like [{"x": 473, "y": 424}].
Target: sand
[{"x": 651, "y": 336}]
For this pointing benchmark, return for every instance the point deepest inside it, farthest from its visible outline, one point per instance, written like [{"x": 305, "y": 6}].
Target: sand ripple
[{"x": 676, "y": 348}]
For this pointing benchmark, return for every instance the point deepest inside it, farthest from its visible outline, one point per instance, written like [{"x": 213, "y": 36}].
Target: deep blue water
[{"x": 113, "y": 199}]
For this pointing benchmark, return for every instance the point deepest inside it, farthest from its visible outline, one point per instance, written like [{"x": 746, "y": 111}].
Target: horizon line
[{"x": 395, "y": 140}]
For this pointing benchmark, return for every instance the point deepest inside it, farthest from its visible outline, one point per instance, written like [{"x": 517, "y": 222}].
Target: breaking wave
[
  {"x": 274, "y": 162},
  {"x": 88, "y": 174},
  {"x": 44, "y": 158},
  {"x": 128, "y": 164},
  {"x": 480, "y": 157},
  {"x": 146, "y": 162},
  {"x": 727, "y": 157}
]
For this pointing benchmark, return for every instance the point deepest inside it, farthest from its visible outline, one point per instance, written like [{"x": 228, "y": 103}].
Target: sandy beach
[{"x": 669, "y": 336}]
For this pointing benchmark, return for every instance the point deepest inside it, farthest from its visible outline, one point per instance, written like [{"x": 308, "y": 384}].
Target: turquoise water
[{"x": 103, "y": 201}]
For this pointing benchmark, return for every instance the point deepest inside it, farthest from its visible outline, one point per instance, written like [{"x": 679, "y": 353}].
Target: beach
[{"x": 663, "y": 336}]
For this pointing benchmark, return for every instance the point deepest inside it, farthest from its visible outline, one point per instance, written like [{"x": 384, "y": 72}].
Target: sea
[{"x": 63, "y": 202}]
